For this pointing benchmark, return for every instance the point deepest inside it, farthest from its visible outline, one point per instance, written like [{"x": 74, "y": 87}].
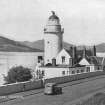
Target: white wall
[
  {"x": 59, "y": 57},
  {"x": 84, "y": 62},
  {"x": 92, "y": 68},
  {"x": 53, "y": 72},
  {"x": 52, "y": 47}
]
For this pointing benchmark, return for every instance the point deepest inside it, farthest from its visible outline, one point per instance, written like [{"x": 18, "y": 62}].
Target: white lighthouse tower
[{"x": 52, "y": 38}]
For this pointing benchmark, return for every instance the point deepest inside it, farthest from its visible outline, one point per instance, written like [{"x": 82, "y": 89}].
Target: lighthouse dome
[
  {"x": 53, "y": 19},
  {"x": 53, "y": 16}
]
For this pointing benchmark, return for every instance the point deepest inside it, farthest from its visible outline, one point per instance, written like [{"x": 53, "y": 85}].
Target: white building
[
  {"x": 63, "y": 57},
  {"x": 61, "y": 62}
]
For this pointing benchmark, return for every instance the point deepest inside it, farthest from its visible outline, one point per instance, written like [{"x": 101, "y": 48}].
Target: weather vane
[{"x": 53, "y": 12}]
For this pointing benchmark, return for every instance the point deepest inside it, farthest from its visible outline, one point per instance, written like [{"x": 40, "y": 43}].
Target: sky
[{"x": 83, "y": 20}]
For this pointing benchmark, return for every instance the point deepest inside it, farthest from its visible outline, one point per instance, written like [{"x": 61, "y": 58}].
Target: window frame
[{"x": 63, "y": 59}]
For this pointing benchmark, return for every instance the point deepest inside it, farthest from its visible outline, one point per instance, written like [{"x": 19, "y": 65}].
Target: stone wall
[
  {"x": 29, "y": 85},
  {"x": 19, "y": 87}
]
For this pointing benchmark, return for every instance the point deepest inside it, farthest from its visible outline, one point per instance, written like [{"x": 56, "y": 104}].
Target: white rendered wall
[
  {"x": 54, "y": 72},
  {"x": 59, "y": 57},
  {"x": 51, "y": 72},
  {"x": 84, "y": 62},
  {"x": 53, "y": 45}
]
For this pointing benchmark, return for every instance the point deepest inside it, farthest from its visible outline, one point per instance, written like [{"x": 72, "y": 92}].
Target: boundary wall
[{"x": 30, "y": 85}]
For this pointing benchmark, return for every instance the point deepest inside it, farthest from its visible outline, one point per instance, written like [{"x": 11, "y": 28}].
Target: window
[
  {"x": 63, "y": 72},
  {"x": 40, "y": 58},
  {"x": 78, "y": 71},
  {"x": 82, "y": 71},
  {"x": 68, "y": 72},
  {"x": 87, "y": 69},
  {"x": 43, "y": 73},
  {"x": 47, "y": 60},
  {"x": 63, "y": 59},
  {"x": 73, "y": 72},
  {"x": 98, "y": 68},
  {"x": 48, "y": 42},
  {"x": 45, "y": 29}
]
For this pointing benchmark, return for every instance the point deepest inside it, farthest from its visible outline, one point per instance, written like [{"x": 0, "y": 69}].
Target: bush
[{"x": 18, "y": 74}]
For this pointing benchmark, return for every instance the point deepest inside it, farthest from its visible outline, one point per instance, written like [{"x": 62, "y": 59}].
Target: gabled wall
[
  {"x": 59, "y": 57},
  {"x": 84, "y": 62}
]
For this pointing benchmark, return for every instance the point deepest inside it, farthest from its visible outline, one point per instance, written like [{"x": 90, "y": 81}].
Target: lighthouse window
[
  {"x": 47, "y": 60},
  {"x": 48, "y": 42}
]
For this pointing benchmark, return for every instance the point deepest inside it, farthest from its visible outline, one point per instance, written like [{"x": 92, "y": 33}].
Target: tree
[{"x": 18, "y": 74}]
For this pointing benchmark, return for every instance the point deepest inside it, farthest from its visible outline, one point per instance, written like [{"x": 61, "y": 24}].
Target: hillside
[
  {"x": 14, "y": 46},
  {"x": 100, "y": 47},
  {"x": 36, "y": 46},
  {"x": 40, "y": 45}
]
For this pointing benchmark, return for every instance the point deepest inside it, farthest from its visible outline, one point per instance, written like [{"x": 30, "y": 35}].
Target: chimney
[
  {"x": 53, "y": 62},
  {"x": 71, "y": 63},
  {"x": 71, "y": 50},
  {"x": 94, "y": 50},
  {"x": 84, "y": 52},
  {"x": 74, "y": 54}
]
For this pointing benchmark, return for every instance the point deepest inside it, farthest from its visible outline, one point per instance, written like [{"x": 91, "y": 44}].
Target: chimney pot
[
  {"x": 71, "y": 63},
  {"x": 53, "y": 62}
]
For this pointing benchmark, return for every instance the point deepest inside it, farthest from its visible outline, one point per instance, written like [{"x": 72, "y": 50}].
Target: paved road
[{"x": 70, "y": 93}]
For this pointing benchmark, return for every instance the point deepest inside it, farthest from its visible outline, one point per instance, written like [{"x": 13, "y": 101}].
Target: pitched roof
[
  {"x": 79, "y": 53},
  {"x": 69, "y": 52},
  {"x": 91, "y": 59},
  {"x": 103, "y": 61},
  {"x": 100, "y": 59},
  {"x": 94, "y": 60}
]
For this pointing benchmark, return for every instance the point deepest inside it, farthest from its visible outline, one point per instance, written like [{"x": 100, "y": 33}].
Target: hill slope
[
  {"x": 36, "y": 46},
  {"x": 100, "y": 47},
  {"x": 40, "y": 45},
  {"x": 14, "y": 46}
]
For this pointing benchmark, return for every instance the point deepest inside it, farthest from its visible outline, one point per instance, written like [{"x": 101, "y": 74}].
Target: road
[{"x": 70, "y": 93}]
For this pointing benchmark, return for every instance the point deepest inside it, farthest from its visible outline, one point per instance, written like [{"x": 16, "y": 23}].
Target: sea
[{"x": 13, "y": 59}]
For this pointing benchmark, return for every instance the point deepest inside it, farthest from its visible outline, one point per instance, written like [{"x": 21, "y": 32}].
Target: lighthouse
[{"x": 53, "y": 36}]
